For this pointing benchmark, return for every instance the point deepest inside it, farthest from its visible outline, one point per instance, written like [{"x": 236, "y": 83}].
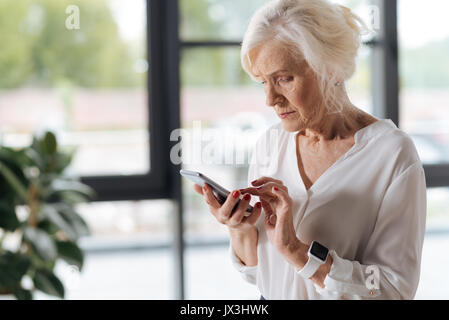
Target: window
[
  {"x": 215, "y": 19},
  {"x": 424, "y": 84},
  {"x": 434, "y": 281},
  {"x": 218, "y": 102},
  {"x": 88, "y": 85},
  {"x": 222, "y": 114},
  {"x": 424, "y": 72},
  {"x": 96, "y": 87}
]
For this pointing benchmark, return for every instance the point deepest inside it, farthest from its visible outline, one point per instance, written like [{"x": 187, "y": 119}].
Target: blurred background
[{"x": 134, "y": 70}]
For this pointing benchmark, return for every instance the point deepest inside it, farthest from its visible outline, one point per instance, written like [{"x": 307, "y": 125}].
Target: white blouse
[{"x": 368, "y": 208}]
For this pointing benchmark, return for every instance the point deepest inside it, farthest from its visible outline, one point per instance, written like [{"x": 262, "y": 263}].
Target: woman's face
[{"x": 290, "y": 85}]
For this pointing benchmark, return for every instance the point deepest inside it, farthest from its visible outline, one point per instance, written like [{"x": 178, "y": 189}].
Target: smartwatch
[{"x": 317, "y": 256}]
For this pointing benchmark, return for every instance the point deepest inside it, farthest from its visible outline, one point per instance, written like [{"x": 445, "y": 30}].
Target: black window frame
[
  {"x": 386, "y": 82},
  {"x": 163, "y": 179},
  {"x": 163, "y": 115}
]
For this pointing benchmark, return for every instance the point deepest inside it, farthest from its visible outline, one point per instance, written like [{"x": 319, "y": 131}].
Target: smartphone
[{"x": 220, "y": 193}]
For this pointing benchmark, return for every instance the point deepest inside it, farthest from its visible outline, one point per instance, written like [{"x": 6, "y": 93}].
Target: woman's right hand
[{"x": 223, "y": 213}]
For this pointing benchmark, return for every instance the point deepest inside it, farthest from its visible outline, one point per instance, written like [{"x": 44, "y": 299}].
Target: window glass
[
  {"x": 221, "y": 107},
  {"x": 216, "y": 19},
  {"x": 434, "y": 282},
  {"x": 84, "y": 79},
  {"x": 424, "y": 76}
]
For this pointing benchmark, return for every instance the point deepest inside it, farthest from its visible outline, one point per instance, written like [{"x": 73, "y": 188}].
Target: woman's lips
[{"x": 286, "y": 114}]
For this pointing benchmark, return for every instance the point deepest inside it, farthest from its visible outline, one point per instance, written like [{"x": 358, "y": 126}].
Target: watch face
[{"x": 319, "y": 251}]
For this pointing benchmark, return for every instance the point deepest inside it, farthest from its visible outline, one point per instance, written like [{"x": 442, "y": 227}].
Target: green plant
[{"x": 34, "y": 179}]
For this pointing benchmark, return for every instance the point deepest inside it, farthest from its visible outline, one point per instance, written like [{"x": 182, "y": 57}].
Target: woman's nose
[{"x": 272, "y": 97}]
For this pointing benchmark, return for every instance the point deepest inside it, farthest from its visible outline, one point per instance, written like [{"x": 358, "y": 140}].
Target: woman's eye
[
  {"x": 288, "y": 79},
  {"x": 285, "y": 82}
]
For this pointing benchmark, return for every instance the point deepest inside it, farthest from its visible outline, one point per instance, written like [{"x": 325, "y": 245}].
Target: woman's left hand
[{"x": 277, "y": 205}]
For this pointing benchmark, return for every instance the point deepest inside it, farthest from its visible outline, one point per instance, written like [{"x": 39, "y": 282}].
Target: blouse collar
[{"x": 367, "y": 133}]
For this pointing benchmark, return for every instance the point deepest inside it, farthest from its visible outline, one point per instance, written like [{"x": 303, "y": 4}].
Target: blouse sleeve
[
  {"x": 392, "y": 258},
  {"x": 248, "y": 273}
]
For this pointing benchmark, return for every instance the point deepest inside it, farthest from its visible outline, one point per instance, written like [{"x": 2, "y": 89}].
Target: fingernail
[
  {"x": 258, "y": 205},
  {"x": 236, "y": 194},
  {"x": 276, "y": 189},
  {"x": 247, "y": 197},
  {"x": 254, "y": 182}
]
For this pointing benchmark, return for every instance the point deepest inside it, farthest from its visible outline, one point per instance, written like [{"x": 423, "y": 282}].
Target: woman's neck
[{"x": 338, "y": 126}]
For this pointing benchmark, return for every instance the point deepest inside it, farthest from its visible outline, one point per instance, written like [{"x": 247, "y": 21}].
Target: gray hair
[{"x": 326, "y": 35}]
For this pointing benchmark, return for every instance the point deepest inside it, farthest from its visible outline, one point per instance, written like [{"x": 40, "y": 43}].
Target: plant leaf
[
  {"x": 14, "y": 181},
  {"x": 13, "y": 267},
  {"x": 35, "y": 157},
  {"x": 15, "y": 160},
  {"x": 58, "y": 220},
  {"x": 71, "y": 253},
  {"x": 35, "y": 145},
  {"x": 41, "y": 242},
  {"x": 8, "y": 217},
  {"x": 49, "y": 144},
  {"x": 72, "y": 197},
  {"x": 62, "y": 161},
  {"x": 46, "y": 281},
  {"x": 23, "y": 294},
  {"x": 48, "y": 227},
  {"x": 75, "y": 220},
  {"x": 61, "y": 185},
  {"x": 18, "y": 157}
]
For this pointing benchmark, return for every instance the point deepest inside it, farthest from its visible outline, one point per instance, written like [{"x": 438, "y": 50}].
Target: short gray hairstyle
[{"x": 326, "y": 35}]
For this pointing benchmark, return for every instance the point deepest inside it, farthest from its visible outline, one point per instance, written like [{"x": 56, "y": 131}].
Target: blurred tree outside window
[
  {"x": 424, "y": 77},
  {"x": 88, "y": 85},
  {"x": 424, "y": 91}
]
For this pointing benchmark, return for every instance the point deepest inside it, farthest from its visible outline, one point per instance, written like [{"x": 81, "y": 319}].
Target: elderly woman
[{"x": 342, "y": 194}]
